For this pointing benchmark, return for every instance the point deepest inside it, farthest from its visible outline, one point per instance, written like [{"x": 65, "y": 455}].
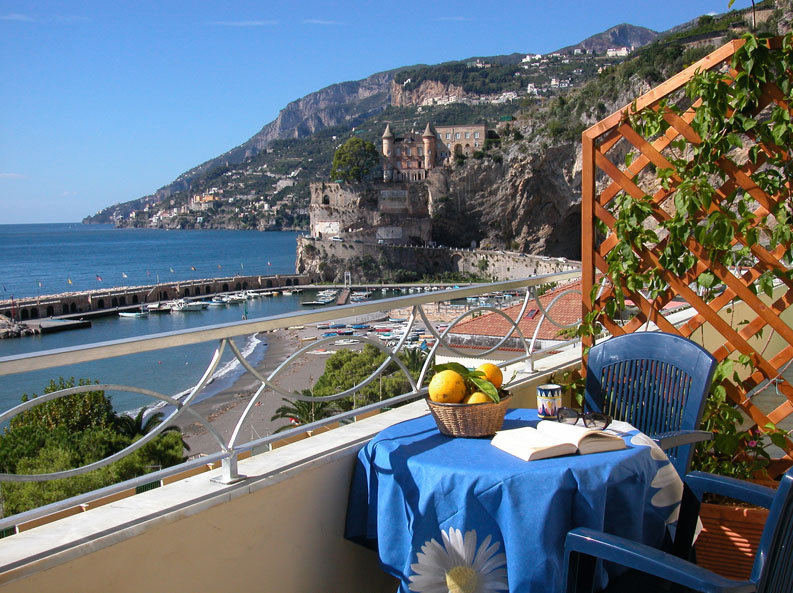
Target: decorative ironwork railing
[
  {"x": 638, "y": 164},
  {"x": 231, "y": 449}
]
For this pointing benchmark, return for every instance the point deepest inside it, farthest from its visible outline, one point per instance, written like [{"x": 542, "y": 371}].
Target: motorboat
[
  {"x": 184, "y": 305},
  {"x": 143, "y": 312}
]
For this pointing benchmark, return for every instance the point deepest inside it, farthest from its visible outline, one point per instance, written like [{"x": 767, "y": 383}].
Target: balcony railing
[{"x": 231, "y": 449}]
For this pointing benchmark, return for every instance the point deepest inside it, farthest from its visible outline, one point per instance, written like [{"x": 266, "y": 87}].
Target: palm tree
[
  {"x": 414, "y": 360},
  {"x": 142, "y": 425},
  {"x": 303, "y": 412}
]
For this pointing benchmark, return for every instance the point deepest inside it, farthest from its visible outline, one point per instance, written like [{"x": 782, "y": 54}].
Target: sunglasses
[{"x": 590, "y": 419}]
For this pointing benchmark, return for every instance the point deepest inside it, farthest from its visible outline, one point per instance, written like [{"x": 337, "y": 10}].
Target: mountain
[
  {"x": 520, "y": 191},
  {"x": 623, "y": 35},
  {"x": 345, "y": 103}
]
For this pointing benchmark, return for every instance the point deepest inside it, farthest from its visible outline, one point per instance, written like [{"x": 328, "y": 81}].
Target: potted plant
[{"x": 738, "y": 451}]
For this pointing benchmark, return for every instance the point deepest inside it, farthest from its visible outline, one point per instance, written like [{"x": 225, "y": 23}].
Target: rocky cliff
[
  {"x": 524, "y": 195},
  {"x": 427, "y": 90}
]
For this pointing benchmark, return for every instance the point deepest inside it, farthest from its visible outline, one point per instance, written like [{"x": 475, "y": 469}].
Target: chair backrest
[
  {"x": 773, "y": 564},
  {"x": 656, "y": 381}
]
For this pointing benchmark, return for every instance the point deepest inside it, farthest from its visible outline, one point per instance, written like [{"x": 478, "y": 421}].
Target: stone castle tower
[
  {"x": 428, "y": 137},
  {"x": 388, "y": 142},
  {"x": 410, "y": 156}
]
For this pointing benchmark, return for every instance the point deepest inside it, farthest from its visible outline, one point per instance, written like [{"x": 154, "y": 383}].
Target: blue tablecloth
[{"x": 429, "y": 503}]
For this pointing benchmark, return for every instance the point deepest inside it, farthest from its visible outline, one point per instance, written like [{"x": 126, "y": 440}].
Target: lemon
[
  {"x": 477, "y": 397},
  {"x": 447, "y": 387},
  {"x": 492, "y": 374}
]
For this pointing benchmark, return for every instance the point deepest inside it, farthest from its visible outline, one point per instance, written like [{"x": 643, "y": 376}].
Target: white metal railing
[{"x": 230, "y": 449}]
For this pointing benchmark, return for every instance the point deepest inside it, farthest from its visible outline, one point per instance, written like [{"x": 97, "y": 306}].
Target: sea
[{"x": 39, "y": 259}]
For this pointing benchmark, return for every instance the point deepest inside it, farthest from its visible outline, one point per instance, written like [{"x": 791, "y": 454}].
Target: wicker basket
[{"x": 469, "y": 420}]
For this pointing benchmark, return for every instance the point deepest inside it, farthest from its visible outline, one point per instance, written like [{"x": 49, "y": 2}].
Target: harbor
[{"x": 110, "y": 301}]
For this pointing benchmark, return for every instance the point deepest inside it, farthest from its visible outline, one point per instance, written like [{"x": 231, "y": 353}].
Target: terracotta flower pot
[{"x": 729, "y": 539}]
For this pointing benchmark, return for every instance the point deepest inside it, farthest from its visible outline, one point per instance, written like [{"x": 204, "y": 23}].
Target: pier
[{"x": 108, "y": 301}]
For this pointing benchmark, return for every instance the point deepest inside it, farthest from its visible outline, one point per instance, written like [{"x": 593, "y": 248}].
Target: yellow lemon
[
  {"x": 447, "y": 387},
  {"x": 477, "y": 397},
  {"x": 492, "y": 374}
]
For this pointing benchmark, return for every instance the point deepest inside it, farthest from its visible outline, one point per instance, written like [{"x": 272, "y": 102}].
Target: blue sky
[{"x": 104, "y": 102}]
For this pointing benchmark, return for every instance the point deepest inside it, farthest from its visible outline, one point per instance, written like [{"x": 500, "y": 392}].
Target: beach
[{"x": 225, "y": 409}]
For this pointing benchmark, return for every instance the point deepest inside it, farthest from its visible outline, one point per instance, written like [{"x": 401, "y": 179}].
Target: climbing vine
[
  {"x": 737, "y": 127},
  {"x": 701, "y": 208}
]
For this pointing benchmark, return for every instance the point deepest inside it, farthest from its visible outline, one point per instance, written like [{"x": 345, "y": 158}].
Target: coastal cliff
[{"x": 426, "y": 92}]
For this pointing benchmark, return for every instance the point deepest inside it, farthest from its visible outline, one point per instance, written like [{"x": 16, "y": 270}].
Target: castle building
[{"x": 411, "y": 156}]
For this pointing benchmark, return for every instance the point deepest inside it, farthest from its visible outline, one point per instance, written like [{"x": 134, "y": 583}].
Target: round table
[{"x": 435, "y": 506}]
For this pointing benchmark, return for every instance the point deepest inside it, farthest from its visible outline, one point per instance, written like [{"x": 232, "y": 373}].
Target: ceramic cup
[{"x": 549, "y": 400}]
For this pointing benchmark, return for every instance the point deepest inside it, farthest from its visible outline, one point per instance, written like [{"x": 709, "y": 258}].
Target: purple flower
[{"x": 752, "y": 443}]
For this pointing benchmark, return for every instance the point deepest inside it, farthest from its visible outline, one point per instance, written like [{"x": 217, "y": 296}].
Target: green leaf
[
  {"x": 453, "y": 366},
  {"x": 706, "y": 279},
  {"x": 486, "y": 387}
]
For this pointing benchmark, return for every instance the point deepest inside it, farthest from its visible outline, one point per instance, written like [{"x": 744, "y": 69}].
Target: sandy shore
[{"x": 225, "y": 409}]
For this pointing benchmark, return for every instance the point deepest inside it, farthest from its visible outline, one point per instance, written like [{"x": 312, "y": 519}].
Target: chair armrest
[
  {"x": 701, "y": 482},
  {"x": 649, "y": 560},
  {"x": 677, "y": 438}
]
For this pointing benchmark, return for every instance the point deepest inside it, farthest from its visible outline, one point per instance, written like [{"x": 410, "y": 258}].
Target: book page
[
  {"x": 587, "y": 440},
  {"x": 529, "y": 444}
]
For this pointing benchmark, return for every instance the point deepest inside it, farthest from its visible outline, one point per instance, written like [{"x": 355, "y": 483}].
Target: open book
[{"x": 552, "y": 439}]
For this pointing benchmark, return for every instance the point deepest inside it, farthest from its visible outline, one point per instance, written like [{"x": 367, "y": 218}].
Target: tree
[
  {"x": 141, "y": 425},
  {"x": 355, "y": 160},
  {"x": 346, "y": 369},
  {"x": 74, "y": 431},
  {"x": 303, "y": 412},
  {"x": 76, "y": 412}
]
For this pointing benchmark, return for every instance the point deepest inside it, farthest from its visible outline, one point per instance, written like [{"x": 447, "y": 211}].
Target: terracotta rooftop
[{"x": 565, "y": 311}]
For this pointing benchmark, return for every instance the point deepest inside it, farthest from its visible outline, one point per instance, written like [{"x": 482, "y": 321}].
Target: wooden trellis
[{"x": 608, "y": 175}]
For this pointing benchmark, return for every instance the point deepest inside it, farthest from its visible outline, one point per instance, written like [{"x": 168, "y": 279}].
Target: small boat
[
  {"x": 287, "y": 293},
  {"x": 337, "y": 325},
  {"x": 183, "y": 305},
  {"x": 323, "y": 326},
  {"x": 308, "y": 338},
  {"x": 160, "y": 308},
  {"x": 347, "y": 342},
  {"x": 143, "y": 312}
]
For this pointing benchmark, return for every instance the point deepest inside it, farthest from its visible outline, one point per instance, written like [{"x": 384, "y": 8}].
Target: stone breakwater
[
  {"x": 12, "y": 329},
  {"x": 111, "y": 299}
]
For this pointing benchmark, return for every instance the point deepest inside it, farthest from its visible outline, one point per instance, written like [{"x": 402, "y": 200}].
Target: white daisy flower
[{"x": 458, "y": 566}]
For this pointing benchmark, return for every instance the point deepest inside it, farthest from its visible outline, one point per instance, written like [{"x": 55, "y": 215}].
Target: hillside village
[
  {"x": 263, "y": 193},
  {"x": 515, "y": 187}
]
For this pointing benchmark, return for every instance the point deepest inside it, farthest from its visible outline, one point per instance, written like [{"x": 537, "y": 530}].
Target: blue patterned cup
[{"x": 549, "y": 400}]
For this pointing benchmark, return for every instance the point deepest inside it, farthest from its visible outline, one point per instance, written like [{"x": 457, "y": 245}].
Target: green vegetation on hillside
[
  {"x": 271, "y": 189},
  {"x": 73, "y": 431}
]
